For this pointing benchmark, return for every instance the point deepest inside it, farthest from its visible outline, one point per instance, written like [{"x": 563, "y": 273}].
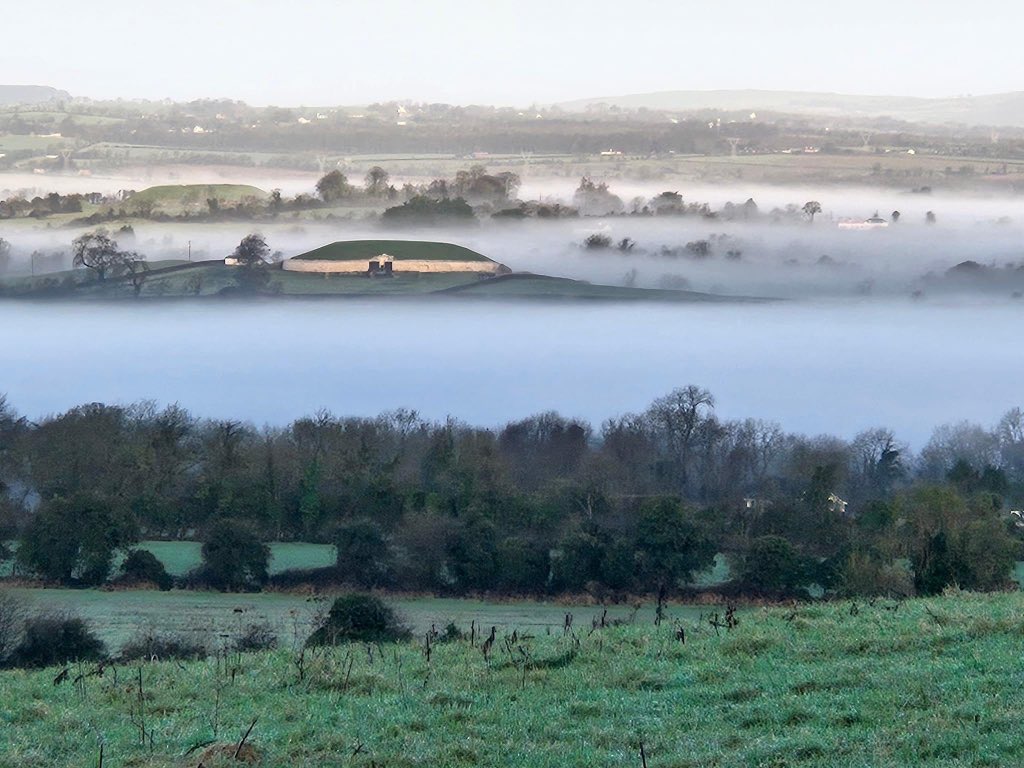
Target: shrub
[
  {"x": 451, "y": 634},
  {"x": 865, "y": 575},
  {"x": 234, "y": 559},
  {"x": 256, "y": 637},
  {"x": 142, "y": 567},
  {"x": 359, "y": 618},
  {"x": 597, "y": 241},
  {"x": 772, "y": 564},
  {"x": 150, "y": 645},
  {"x": 51, "y": 640}
]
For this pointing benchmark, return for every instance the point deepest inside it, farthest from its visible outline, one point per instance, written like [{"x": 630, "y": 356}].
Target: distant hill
[
  {"x": 1001, "y": 109},
  {"x": 172, "y": 198},
  {"x": 12, "y": 95}
]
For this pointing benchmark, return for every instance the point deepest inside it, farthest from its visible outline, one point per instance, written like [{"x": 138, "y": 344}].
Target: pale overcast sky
[{"x": 507, "y": 52}]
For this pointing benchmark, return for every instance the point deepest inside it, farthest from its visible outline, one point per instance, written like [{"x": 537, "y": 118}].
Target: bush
[
  {"x": 451, "y": 634},
  {"x": 868, "y": 576},
  {"x": 142, "y": 567},
  {"x": 256, "y": 637},
  {"x": 772, "y": 564},
  {"x": 51, "y": 640},
  {"x": 359, "y": 618},
  {"x": 596, "y": 242},
  {"x": 151, "y": 646},
  {"x": 234, "y": 559}
]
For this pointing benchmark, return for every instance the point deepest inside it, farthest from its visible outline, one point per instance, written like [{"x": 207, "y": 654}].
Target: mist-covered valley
[
  {"x": 816, "y": 366},
  {"x": 932, "y": 244},
  {"x": 876, "y": 326}
]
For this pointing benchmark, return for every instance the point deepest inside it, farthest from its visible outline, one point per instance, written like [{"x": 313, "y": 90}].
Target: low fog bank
[
  {"x": 773, "y": 253},
  {"x": 835, "y": 367}
]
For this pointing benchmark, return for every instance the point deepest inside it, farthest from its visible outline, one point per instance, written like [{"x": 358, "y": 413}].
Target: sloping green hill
[
  {"x": 364, "y": 250},
  {"x": 171, "y": 196},
  {"x": 522, "y": 285}
]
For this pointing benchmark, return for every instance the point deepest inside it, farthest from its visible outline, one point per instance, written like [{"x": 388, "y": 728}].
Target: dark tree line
[{"x": 546, "y": 504}]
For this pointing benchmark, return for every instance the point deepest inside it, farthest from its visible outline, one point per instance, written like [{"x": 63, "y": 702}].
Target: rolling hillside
[
  {"x": 1001, "y": 109},
  {"x": 30, "y": 94}
]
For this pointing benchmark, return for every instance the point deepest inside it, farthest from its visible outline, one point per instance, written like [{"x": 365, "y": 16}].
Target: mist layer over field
[
  {"x": 838, "y": 366},
  {"x": 769, "y": 254}
]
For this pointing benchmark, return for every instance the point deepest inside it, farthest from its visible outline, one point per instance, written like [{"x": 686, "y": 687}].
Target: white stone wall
[{"x": 405, "y": 265}]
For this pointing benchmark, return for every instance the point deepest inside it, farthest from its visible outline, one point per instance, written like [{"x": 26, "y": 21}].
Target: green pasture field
[
  {"x": 180, "y": 557},
  {"x": 920, "y": 683},
  {"x": 81, "y": 119},
  {"x": 16, "y": 142},
  {"x": 117, "y": 615},
  {"x": 212, "y": 617}
]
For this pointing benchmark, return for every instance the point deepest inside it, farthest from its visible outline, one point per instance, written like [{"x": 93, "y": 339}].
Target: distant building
[
  {"x": 755, "y": 506},
  {"x": 836, "y": 504},
  {"x": 875, "y": 222}
]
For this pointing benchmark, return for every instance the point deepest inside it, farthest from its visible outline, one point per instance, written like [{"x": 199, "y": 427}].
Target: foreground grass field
[{"x": 926, "y": 682}]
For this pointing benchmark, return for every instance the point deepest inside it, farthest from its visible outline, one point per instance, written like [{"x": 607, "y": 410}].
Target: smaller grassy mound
[
  {"x": 364, "y": 250},
  {"x": 172, "y": 196}
]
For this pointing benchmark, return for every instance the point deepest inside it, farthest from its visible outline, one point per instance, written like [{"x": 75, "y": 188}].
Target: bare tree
[
  {"x": 675, "y": 418},
  {"x": 100, "y": 253}
]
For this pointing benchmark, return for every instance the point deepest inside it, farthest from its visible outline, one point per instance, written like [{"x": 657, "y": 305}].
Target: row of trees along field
[{"x": 543, "y": 505}]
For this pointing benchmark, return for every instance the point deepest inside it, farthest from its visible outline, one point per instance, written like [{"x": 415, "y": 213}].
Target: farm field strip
[{"x": 918, "y": 683}]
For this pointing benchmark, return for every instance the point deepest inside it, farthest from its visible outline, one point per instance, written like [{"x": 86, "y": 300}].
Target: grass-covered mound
[
  {"x": 920, "y": 683},
  {"x": 364, "y": 250},
  {"x": 185, "y": 196}
]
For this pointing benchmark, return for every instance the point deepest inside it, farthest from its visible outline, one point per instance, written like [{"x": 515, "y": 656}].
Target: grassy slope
[
  {"x": 174, "y": 279},
  {"x": 358, "y": 250},
  {"x": 930, "y": 683},
  {"x": 212, "y": 276},
  {"x": 541, "y": 286},
  {"x": 186, "y": 195}
]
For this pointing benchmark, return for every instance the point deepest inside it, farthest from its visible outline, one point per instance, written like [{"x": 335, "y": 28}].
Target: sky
[{"x": 322, "y": 52}]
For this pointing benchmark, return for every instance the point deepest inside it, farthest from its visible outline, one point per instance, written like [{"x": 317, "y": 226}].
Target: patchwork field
[{"x": 920, "y": 683}]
